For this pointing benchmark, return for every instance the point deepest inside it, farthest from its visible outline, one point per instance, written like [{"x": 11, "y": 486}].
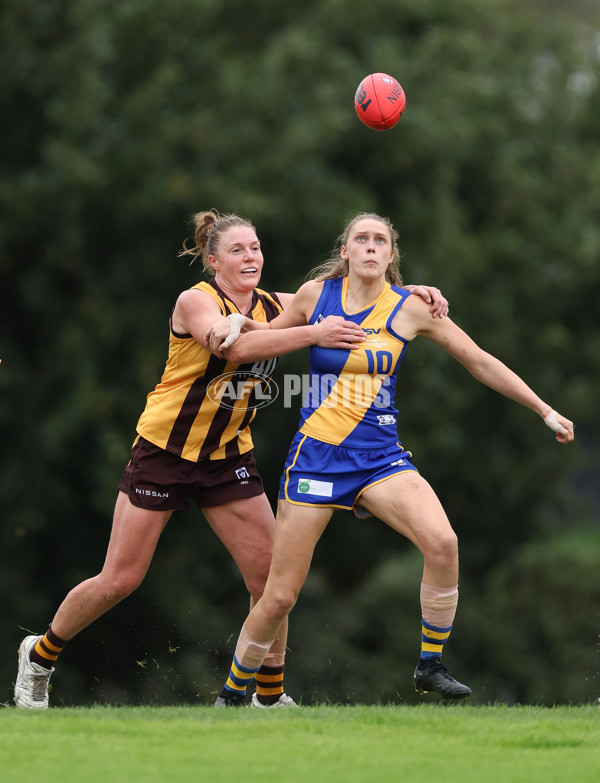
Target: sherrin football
[{"x": 379, "y": 101}]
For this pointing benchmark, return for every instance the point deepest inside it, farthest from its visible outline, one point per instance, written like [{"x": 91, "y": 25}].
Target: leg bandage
[
  {"x": 438, "y": 604},
  {"x": 274, "y": 659},
  {"x": 247, "y": 659},
  {"x": 249, "y": 653},
  {"x": 438, "y": 607}
]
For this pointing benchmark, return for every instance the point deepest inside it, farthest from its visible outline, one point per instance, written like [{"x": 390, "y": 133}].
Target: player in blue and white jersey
[{"x": 346, "y": 453}]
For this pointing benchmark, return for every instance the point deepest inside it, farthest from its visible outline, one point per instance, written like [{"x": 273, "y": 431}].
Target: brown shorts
[{"x": 157, "y": 480}]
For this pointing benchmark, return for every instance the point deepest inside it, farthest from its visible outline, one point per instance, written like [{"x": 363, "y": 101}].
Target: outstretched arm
[
  {"x": 291, "y": 331},
  {"x": 225, "y": 332},
  {"x": 485, "y": 367},
  {"x": 332, "y": 332}
]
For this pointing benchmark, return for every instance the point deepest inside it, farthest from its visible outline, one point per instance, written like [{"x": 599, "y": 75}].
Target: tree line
[{"x": 120, "y": 121}]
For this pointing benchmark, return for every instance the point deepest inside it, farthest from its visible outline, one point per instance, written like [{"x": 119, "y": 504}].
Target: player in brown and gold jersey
[{"x": 193, "y": 443}]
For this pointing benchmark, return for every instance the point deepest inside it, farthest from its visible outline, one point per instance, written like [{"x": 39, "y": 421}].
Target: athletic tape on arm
[{"x": 236, "y": 321}]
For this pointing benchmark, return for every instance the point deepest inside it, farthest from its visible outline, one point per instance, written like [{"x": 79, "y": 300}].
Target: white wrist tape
[
  {"x": 236, "y": 321},
  {"x": 551, "y": 420}
]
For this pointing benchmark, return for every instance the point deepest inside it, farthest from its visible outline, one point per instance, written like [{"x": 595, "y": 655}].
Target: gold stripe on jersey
[
  {"x": 343, "y": 409},
  {"x": 239, "y": 419},
  {"x": 365, "y": 371},
  {"x": 180, "y": 414}
]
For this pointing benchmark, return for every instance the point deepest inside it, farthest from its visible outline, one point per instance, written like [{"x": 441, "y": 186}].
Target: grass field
[{"x": 456, "y": 744}]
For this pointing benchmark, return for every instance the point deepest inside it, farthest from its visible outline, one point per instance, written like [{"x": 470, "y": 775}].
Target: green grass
[{"x": 454, "y": 744}]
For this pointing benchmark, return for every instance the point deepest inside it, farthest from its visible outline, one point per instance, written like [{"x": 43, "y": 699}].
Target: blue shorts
[{"x": 320, "y": 474}]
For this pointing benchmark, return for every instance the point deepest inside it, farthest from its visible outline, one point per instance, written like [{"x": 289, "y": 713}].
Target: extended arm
[
  {"x": 226, "y": 331},
  {"x": 290, "y": 331},
  {"x": 487, "y": 369}
]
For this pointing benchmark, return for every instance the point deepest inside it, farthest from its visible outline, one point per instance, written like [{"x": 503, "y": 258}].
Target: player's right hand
[{"x": 335, "y": 332}]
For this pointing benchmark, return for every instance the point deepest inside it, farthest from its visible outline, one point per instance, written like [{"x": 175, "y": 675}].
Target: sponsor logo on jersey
[
  {"x": 322, "y": 489},
  {"x": 375, "y": 338},
  {"x": 385, "y": 420}
]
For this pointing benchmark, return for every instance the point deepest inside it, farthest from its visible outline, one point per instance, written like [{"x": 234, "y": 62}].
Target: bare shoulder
[
  {"x": 193, "y": 299},
  {"x": 194, "y": 307},
  {"x": 412, "y": 318},
  {"x": 306, "y": 291},
  {"x": 311, "y": 287},
  {"x": 308, "y": 294},
  {"x": 301, "y": 306},
  {"x": 284, "y": 298}
]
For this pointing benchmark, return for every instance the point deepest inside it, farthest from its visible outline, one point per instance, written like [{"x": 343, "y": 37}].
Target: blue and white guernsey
[{"x": 350, "y": 398}]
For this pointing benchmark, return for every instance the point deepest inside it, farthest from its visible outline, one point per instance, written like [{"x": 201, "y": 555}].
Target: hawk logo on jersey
[{"x": 385, "y": 420}]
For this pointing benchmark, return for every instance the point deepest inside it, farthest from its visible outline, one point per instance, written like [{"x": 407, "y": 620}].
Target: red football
[{"x": 379, "y": 101}]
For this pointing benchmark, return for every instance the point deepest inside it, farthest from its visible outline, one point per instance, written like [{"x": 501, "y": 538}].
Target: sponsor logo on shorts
[
  {"x": 386, "y": 420},
  {"x": 151, "y": 493},
  {"x": 322, "y": 489},
  {"x": 399, "y": 462},
  {"x": 242, "y": 473}
]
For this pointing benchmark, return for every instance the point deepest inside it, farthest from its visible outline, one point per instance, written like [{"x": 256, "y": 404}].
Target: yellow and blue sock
[
  {"x": 239, "y": 679},
  {"x": 433, "y": 639}
]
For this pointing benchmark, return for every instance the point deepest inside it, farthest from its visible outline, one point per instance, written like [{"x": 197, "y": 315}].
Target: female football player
[
  {"x": 192, "y": 444},
  {"x": 346, "y": 453}
]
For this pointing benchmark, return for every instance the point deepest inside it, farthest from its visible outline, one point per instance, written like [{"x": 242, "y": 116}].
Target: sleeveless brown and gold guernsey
[{"x": 182, "y": 415}]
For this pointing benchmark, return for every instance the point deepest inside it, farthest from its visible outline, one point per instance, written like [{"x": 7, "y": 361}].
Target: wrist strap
[
  {"x": 551, "y": 420},
  {"x": 236, "y": 322}
]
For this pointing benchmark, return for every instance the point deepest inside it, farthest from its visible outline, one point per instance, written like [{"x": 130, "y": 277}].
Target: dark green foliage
[{"x": 119, "y": 120}]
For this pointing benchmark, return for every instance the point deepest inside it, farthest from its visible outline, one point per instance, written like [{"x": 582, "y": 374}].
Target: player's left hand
[
  {"x": 564, "y": 428},
  {"x": 216, "y": 335},
  {"x": 433, "y": 296}
]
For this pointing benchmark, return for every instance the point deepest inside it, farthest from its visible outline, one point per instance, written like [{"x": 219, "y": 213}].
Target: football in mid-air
[{"x": 379, "y": 101}]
